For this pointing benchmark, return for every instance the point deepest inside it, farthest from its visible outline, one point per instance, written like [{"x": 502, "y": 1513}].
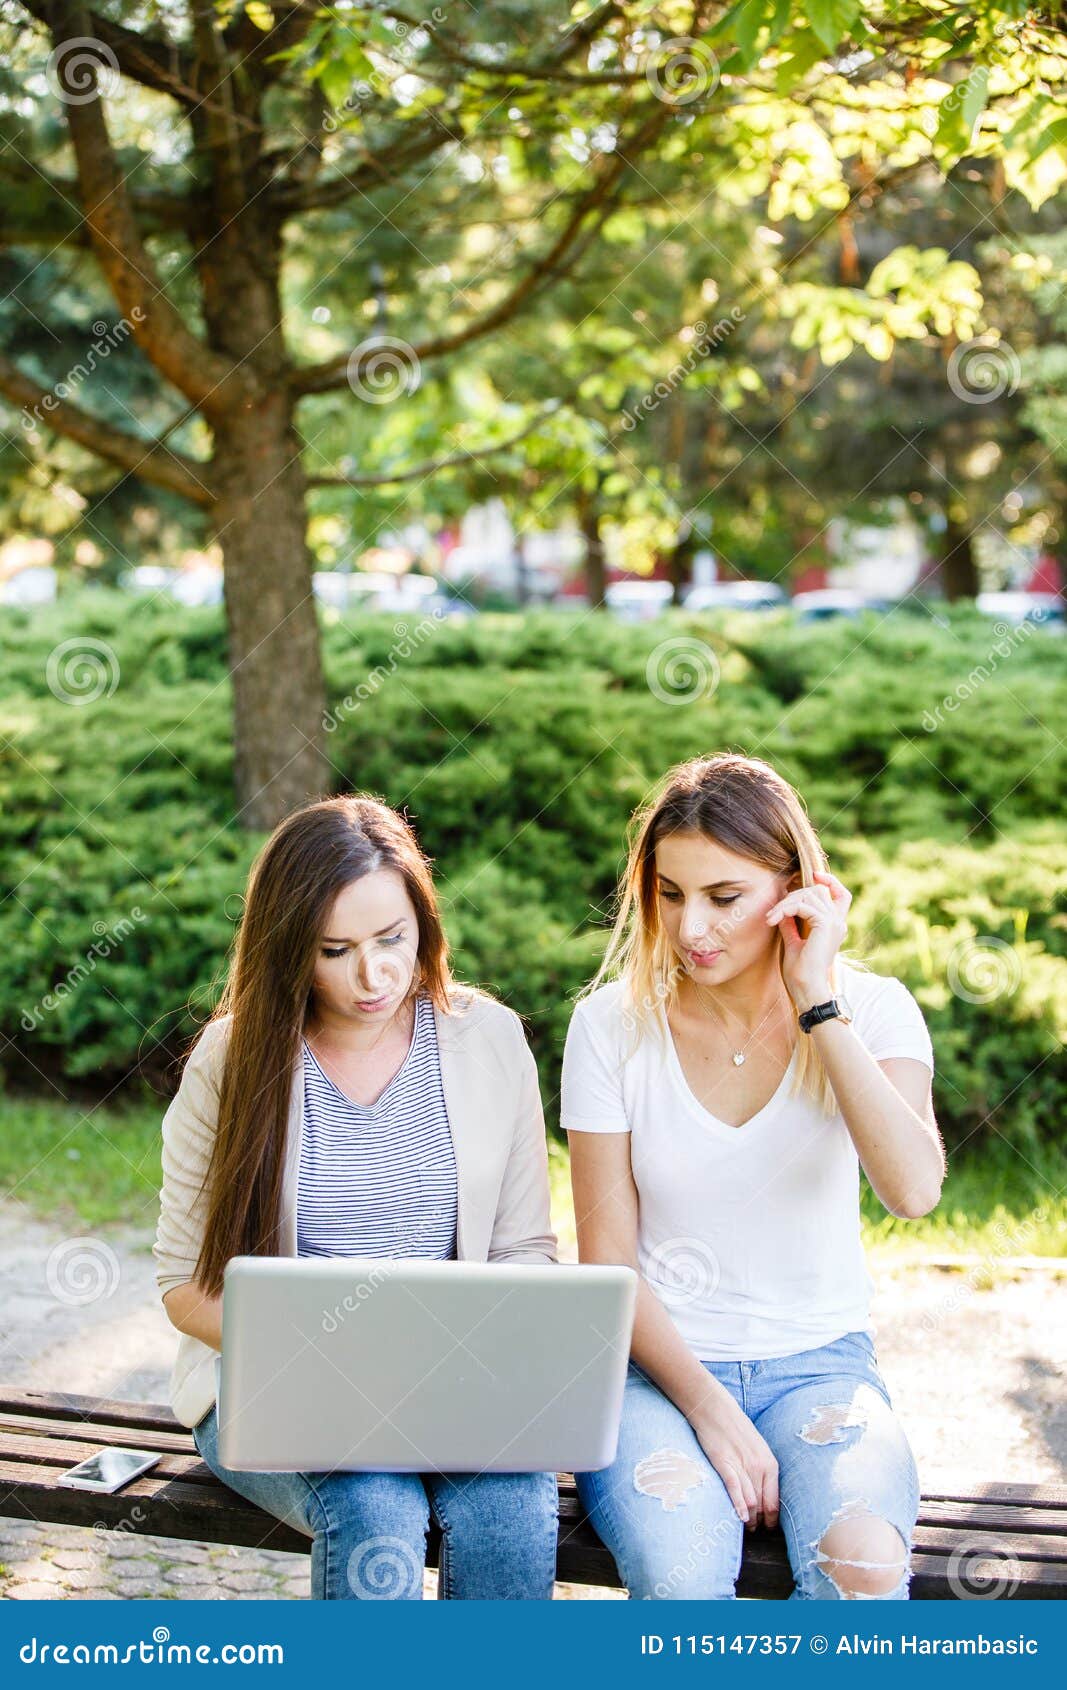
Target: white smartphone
[{"x": 108, "y": 1470}]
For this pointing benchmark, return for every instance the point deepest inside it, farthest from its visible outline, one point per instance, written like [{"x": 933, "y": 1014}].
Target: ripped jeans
[{"x": 845, "y": 1469}]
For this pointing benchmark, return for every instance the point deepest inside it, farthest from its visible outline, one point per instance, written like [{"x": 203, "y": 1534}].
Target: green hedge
[{"x": 520, "y": 746}]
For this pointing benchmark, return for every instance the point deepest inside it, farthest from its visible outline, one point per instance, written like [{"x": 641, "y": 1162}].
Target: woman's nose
[{"x": 694, "y": 927}]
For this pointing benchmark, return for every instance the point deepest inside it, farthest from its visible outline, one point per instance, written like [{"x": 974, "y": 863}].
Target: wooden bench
[{"x": 1020, "y": 1531}]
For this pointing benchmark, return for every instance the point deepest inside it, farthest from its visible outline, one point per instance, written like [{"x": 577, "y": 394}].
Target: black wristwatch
[{"x": 833, "y": 1009}]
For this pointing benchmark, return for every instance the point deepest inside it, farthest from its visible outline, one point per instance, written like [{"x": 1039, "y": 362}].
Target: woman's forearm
[
  {"x": 900, "y": 1150},
  {"x": 660, "y": 1351},
  {"x": 192, "y": 1312}
]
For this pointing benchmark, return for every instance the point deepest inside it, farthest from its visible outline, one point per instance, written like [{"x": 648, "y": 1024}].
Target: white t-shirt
[{"x": 750, "y": 1236}]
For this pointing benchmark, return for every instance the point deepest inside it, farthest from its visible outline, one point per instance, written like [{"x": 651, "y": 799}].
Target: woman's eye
[
  {"x": 393, "y": 939},
  {"x": 671, "y": 897},
  {"x": 722, "y": 902},
  {"x": 340, "y": 951}
]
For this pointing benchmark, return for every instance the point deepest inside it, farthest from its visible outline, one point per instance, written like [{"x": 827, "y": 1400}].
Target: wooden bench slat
[
  {"x": 100, "y": 1431},
  {"x": 63, "y": 1405},
  {"x": 53, "y": 1442},
  {"x": 994, "y": 1490},
  {"x": 42, "y": 1433}
]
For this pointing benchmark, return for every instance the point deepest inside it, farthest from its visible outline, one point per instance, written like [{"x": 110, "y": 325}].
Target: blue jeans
[
  {"x": 368, "y": 1530},
  {"x": 665, "y": 1514}
]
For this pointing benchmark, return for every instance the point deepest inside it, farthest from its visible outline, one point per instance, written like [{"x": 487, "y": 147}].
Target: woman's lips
[
  {"x": 374, "y": 1003},
  {"x": 701, "y": 959}
]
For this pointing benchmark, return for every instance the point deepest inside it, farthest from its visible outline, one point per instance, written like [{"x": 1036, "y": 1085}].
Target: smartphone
[{"x": 109, "y": 1469}]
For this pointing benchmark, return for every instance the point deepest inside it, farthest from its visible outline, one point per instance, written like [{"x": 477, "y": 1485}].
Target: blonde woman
[
  {"x": 726, "y": 1076},
  {"x": 349, "y": 1099}
]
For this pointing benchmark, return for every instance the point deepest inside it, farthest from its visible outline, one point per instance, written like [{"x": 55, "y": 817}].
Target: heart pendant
[{"x": 739, "y": 1057}]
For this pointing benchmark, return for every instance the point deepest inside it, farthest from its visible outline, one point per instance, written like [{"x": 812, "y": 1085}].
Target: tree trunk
[
  {"x": 522, "y": 571},
  {"x": 261, "y": 524},
  {"x": 959, "y": 571},
  {"x": 680, "y": 561},
  {"x": 275, "y": 664},
  {"x": 595, "y": 564}
]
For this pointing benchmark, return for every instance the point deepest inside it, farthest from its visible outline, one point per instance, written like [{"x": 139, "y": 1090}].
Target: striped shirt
[{"x": 379, "y": 1179}]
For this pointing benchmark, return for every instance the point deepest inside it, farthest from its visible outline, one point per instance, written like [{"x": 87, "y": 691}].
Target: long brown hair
[
  {"x": 746, "y": 806},
  {"x": 308, "y": 859}
]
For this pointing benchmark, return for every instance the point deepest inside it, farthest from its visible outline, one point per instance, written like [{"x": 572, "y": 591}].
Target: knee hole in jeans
[{"x": 861, "y": 1554}]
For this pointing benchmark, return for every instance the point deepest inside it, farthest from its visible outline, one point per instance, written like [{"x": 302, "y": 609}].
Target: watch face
[{"x": 844, "y": 1006}]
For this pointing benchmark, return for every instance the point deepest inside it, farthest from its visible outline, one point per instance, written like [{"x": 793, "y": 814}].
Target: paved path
[{"x": 975, "y": 1372}]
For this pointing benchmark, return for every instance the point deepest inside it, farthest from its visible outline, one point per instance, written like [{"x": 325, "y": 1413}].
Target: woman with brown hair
[
  {"x": 721, "y": 1090},
  {"x": 349, "y": 1098}
]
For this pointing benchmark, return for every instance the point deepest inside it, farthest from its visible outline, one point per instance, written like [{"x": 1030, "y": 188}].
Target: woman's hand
[
  {"x": 807, "y": 957},
  {"x": 742, "y": 1459}
]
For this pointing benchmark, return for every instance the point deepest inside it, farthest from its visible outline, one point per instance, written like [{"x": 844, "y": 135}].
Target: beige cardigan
[{"x": 498, "y": 1134}]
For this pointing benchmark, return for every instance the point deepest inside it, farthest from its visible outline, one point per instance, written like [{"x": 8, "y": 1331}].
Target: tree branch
[
  {"x": 430, "y": 466},
  {"x": 551, "y": 69},
  {"x": 334, "y": 372},
  {"x": 372, "y": 171},
  {"x": 256, "y": 46},
  {"x": 151, "y": 460},
  {"x": 206, "y": 378},
  {"x": 48, "y": 207},
  {"x": 146, "y": 59}
]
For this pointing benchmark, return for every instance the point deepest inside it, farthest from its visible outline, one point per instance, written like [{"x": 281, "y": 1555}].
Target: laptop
[{"x": 393, "y": 1364}]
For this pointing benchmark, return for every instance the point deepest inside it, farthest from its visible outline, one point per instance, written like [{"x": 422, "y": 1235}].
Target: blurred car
[
  {"x": 736, "y": 595},
  {"x": 1043, "y": 609},
  {"x": 638, "y": 601},
  {"x": 824, "y": 602}
]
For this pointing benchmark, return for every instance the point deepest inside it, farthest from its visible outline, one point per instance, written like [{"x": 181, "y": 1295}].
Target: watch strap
[{"x": 827, "y": 1011}]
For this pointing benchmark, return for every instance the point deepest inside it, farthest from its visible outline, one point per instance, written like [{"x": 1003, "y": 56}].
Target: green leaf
[
  {"x": 750, "y": 17},
  {"x": 832, "y": 19},
  {"x": 975, "y": 97}
]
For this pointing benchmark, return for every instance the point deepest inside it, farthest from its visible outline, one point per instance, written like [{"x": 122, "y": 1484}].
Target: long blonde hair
[{"x": 746, "y": 806}]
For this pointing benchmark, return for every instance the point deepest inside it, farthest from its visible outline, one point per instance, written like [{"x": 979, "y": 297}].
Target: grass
[
  {"x": 82, "y": 1167},
  {"x": 99, "y": 1167}
]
